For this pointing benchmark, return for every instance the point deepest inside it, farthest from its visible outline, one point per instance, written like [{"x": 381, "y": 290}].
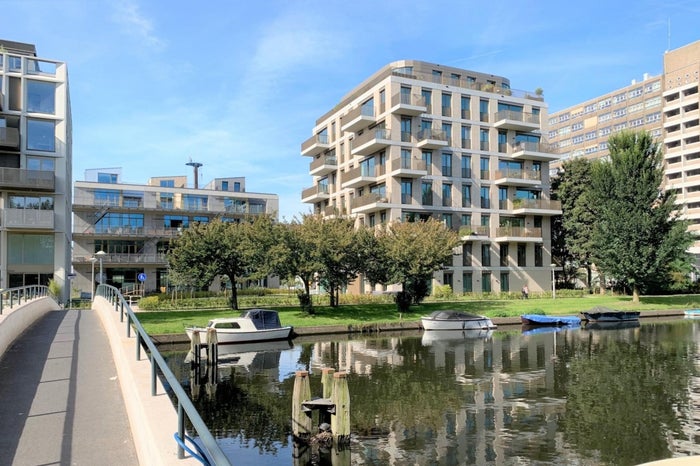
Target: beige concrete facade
[
  {"x": 35, "y": 168},
  {"x": 681, "y": 124},
  {"x": 583, "y": 130},
  {"x": 418, "y": 140},
  {"x": 134, "y": 223}
]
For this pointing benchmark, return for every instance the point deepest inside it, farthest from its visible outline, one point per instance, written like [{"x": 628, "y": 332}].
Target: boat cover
[
  {"x": 454, "y": 315},
  {"x": 263, "y": 319},
  {"x": 552, "y": 320}
]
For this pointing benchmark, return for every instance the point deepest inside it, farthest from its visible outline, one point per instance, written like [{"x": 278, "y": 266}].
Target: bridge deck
[{"x": 60, "y": 399}]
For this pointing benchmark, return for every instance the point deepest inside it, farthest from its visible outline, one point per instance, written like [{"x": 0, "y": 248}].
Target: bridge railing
[
  {"x": 185, "y": 408},
  {"x": 10, "y": 297}
]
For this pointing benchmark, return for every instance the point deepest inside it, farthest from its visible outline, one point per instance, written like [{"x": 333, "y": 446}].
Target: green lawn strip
[{"x": 169, "y": 322}]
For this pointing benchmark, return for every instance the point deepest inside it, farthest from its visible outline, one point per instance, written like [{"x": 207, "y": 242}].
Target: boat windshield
[{"x": 453, "y": 315}]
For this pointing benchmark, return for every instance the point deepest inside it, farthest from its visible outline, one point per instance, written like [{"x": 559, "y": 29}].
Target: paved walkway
[{"x": 60, "y": 399}]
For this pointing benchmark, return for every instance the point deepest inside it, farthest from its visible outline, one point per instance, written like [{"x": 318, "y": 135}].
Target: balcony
[
  {"x": 129, "y": 232},
  {"x": 320, "y": 192},
  {"x": 334, "y": 211},
  {"x": 430, "y": 138},
  {"x": 368, "y": 203},
  {"x": 370, "y": 141},
  {"x": 28, "y": 218},
  {"x": 518, "y": 177},
  {"x": 408, "y": 168},
  {"x": 473, "y": 232},
  {"x": 518, "y": 121},
  {"x": 34, "y": 180},
  {"x": 323, "y": 165},
  {"x": 361, "y": 176},
  {"x": 126, "y": 259},
  {"x": 540, "y": 151},
  {"x": 315, "y": 145},
  {"x": 9, "y": 138},
  {"x": 358, "y": 118},
  {"x": 518, "y": 234},
  {"x": 534, "y": 207},
  {"x": 408, "y": 104}
]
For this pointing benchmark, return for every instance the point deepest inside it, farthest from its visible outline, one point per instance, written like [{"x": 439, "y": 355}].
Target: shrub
[
  {"x": 150, "y": 303},
  {"x": 442, "y": 291}
]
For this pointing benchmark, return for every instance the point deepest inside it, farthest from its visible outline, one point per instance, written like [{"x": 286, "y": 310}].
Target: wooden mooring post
[{"x": 333, "y": 408}]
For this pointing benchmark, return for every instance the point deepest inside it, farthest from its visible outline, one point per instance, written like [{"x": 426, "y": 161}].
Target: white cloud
[{"x": 128, "y": 15}]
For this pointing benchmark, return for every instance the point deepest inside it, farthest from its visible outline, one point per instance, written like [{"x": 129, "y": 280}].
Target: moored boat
[
  {"x": 692, "y": 314},
  {"x": 454, "y": 337},
  {"x": 251, "y": 325},
  {"x": 538, "y": 320},
  {"x": 604, "y": 314},
  {"x": 456, "y": 320}
]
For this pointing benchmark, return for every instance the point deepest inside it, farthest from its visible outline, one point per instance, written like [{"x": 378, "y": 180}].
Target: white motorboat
[
  {"x": 456, "y": 320},
  {"x": 251, "y": 325}
]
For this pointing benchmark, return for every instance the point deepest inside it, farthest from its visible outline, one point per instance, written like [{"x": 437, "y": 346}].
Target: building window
[
  {"x": 465, "y": 102},
  {"x": 538, "y": 255},
  {"x": 446, "y": 164},
  {"x": 446, "y": 194},
  {"x": 484, "y": 168},
  {"x": 428, "y": 159},
  {"x": 447, "y": 220},
  {"x": 224, "y": 185},
  {"x": 466, "y": 166},
  {"x": 484, "y": 139},
  {"x": 406, "y": 190},
  {"x": 504, "y": 255},
  {"x": 486, "y": 282},
  {"x": 41, "y": 135},
  {"x": 522, "y": 254},
  {"x": 483, "y": 110},
  {"x": 427, "y": 97},
  {"x": 466, "y": 195},
  {"x": 31, "y": 202},
  {"x": 447, "y": 279},
  {"x": 427, "y": 193},
  {"x": 486, "y": 255},
  {"x": 40, "y": 164},
  {"x": 447, "y": 105},
  {"x": 505, "y": 282},
  {"x": 110, "y": 178},
  {"x": 467, "y": 286},
  {"x": 405, "y": 129},
  {"x": 29, "y": 249},
  {"x": 41, "y": 97},
  {"x": 467, "y": 254},
  {"x": 167, "y": 183},
  {"x": 485, "y": 201}
]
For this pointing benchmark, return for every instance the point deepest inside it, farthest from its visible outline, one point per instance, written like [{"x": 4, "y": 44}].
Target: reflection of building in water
[
  {"x": 690, "y": 420},
  {"x": 508, "y": 382},
  {"x": 356, "y": 356}
]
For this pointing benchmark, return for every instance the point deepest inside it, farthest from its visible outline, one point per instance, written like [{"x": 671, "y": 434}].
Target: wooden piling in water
[
  {"x": 301, "y": 419},
  {"x": 212, "y": 348},
  {"x": 195, "y": 345},
  {"x": 327, "y": 381},
  {"x": 340, "y": 419}
]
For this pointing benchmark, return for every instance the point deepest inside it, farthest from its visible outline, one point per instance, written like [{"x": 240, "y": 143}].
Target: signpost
[{"x": 142, "y": 278}]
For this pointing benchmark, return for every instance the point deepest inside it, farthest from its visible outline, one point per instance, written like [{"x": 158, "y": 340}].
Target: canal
[{"x": 589, "y": 396}]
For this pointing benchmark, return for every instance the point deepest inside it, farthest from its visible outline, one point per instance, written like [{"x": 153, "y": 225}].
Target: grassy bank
[{"x": 168, "y": 322}]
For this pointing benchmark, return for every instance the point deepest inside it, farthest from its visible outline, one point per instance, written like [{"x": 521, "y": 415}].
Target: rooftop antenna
[{"x": 196, "y": 166}]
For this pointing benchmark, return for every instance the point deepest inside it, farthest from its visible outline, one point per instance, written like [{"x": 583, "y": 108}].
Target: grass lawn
[{"x": 166, "y": 322}]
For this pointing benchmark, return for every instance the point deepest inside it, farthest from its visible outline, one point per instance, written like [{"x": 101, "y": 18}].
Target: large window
[
  {"x": 28, "y": 249},
  {"x": 428, "y": 159},
  {"x": 446, "y": 164},
  {"x": 118, "y": 223},
  {"x": 467, "y": 286},
  {"x": 466, "y": 195},
  {"x": 427, "y": 193},
  {"x": 522, "y": 254},
  {"x": 466, "y": 166},
  {"x": 40, "y": 163},
  {"x": 192, "y": 202},
  {"x": 107, "y": 197},
  {"x": 505, "y": 282},
  {"x": 486, "y": 255},
  {"x": 176, "y": 221},
  {"x": 406, "y": 190},
  {"x": 504, "y": 255},
  {"x": 485, "y": 201},
  {"x": 41, "y": 135},
  {"x": 31, "y": 202},
  {"x": 41, "y": 97},
  {"x": 486, "y": 282},
  {"x": 110, "y": 178},
  {"x": 446, "y": 194}
]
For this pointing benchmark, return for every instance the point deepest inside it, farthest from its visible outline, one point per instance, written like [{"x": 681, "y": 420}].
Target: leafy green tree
[
  {"x": 572, "y": 188},
  {"x": 205, "y": 250},
  {"x": 637, "y": 235},
  {"x": 414, "y": 251},
  {"x": 339, "y": 254}
]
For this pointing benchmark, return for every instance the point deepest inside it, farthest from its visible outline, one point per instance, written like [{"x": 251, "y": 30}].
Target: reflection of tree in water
[{"x": 623, "y": 398}]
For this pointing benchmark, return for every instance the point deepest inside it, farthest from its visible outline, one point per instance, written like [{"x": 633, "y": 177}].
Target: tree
[
  {"x": 572, "y": 187},
  {"x": 339, "y": 254},
  {"x": 414, "y": 251},
  {"x": 637, "y": 235},
  {"x": 205, "y": 250}
]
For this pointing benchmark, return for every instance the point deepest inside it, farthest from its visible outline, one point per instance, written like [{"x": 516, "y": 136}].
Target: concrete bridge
[{"x": 73, "y": 393}]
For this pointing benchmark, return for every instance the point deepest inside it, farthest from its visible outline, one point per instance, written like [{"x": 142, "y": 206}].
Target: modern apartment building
[
  {"x": 35, "y": 168},
  {"x": 125, "y": 229},
  {"x": 666, "y": 105},
  {"x": 583, "y": 130},
  {"x": 681, "y": 131},
  {"x": 419, "y": 140}
]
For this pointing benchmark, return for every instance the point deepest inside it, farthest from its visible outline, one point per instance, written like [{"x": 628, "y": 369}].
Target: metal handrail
[
  {"x": 184, "y": 404},
  {"x": 15, "y": 295}
]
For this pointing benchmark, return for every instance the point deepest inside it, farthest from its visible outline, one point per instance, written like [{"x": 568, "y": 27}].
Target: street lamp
[
  {"x": 100, "y": 254},
  {"x": 554, "y": 283},
  {"x": 93, "y": 259}
]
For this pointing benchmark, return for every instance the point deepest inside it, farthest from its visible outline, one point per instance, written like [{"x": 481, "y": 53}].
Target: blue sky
[{"x": 238, "y": 85}]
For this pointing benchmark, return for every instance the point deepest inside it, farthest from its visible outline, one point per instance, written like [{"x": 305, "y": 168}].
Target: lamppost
[
  {"x": 93, "y": 259},
  {"x": 100, "y": 254},
  {"x": 554, "y": 283}
]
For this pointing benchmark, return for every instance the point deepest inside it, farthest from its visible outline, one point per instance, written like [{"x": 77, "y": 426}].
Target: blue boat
[
  {"x": 692, "y": 314},
  {"x": 532, "y": 330},
  {"x": 537, "y": 320}
]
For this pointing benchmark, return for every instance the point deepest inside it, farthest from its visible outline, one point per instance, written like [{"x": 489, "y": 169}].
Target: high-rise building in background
[
  {"x": 418, "y": 140},
  {"x": 125, "y": 229},
  {"x": 666, "y": 105},
  {"x": 35, "y": 169}
]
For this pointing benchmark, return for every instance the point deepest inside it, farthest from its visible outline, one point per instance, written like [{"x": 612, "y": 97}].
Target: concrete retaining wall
[{"x": 14, "y": 322}]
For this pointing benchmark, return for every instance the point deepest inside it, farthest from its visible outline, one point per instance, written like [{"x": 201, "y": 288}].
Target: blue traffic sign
[{"x": 141, "y": 277}]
